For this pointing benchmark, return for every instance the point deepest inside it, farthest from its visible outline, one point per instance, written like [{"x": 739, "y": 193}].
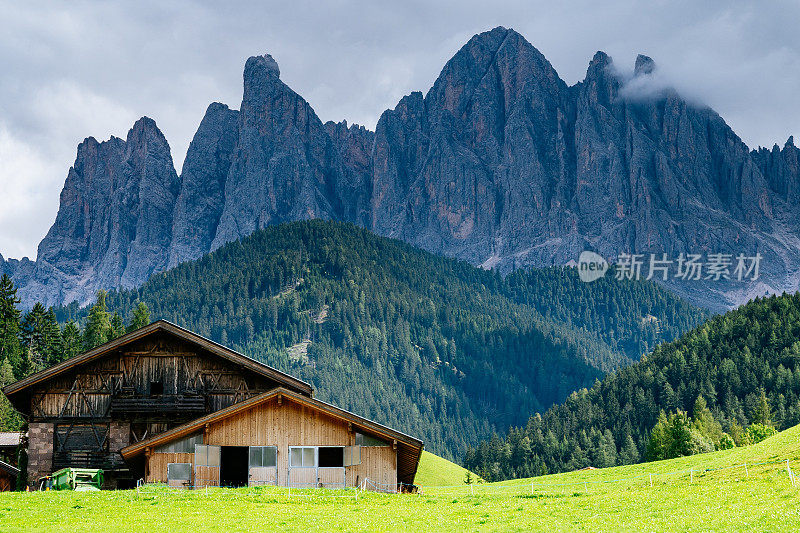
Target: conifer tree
[
  {"x": 98, "y": 324},
  {"x": 762, "y": 414},
  {"x": 140, "y": 317},
  {"x": 117, "y": 326},
  {"x": 10, "y": 420},
  {"x": 54, "y": 342},
  {"x": 10, "y": 347},
  {"x": 629, "y": 454},
  {"x": 73, "y": 345}
]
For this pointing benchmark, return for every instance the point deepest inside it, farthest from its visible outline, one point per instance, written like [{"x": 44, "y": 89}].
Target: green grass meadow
[{"x": 710, "y": 492}]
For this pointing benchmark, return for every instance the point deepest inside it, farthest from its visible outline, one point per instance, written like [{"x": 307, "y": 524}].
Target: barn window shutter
[{"x": 352, "y": 455}]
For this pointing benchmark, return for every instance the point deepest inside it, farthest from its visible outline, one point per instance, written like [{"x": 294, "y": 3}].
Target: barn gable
[{"x": 141, "y": 348}]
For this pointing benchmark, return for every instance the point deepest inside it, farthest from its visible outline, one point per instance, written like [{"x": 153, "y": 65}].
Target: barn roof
[
  {"x": 12, "y": 470},
  {"x": 170, "y": 328},
  {"x": 409, "y": 448}
]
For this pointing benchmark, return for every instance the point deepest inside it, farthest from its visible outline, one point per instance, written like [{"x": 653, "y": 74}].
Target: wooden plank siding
[
  {"x": 86, "y": 391},
  {"x": 285, "y": 425},
  {"x": 156, "y": 469}
]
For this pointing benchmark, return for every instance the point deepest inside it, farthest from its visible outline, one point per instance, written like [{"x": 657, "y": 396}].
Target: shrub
[{"x": 758, "y": 432}]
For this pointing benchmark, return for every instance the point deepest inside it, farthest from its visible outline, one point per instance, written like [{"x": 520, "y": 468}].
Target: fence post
[
  {"x": 471, "y": 490},
  {"x": 651, "y": 479},
  {"x": 585, "y": 486},
  {"x": 746, "y": 473},
  {"x": 691, "y": 475}
]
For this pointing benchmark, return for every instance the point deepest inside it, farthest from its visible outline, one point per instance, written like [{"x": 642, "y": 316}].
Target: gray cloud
[{"x": 91, "y": 68}]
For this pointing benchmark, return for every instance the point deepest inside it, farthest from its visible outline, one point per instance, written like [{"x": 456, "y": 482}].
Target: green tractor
[{"x": 76, "y": 479}]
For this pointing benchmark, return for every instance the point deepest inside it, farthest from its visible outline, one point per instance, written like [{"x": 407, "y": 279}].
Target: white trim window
[
  {"x": 302, "y": 456},
  {"x": 263, "y": 456}
]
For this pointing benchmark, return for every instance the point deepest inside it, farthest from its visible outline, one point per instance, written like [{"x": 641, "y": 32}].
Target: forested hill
[
  {"x": 431, "y": 346},
  {"x": 728, "y": 361}
]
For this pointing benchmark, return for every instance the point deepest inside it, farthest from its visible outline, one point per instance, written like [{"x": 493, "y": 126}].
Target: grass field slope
[
  {"x": 436, "y": 471},
  {"x": 742, "y": 489}
]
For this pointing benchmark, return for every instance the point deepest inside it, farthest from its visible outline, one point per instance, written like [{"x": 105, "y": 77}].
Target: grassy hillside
[
  {"x": 718, "y": 495},
  {"x": 432, "y": 346},
  {"x": 437, "y": 471}
]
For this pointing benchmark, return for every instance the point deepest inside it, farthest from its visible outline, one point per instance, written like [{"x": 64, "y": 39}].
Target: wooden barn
[
  {"x": 83, "y": 411},
  {"x": 280, "y": 438},
  {"x": 165, "y": 404}
]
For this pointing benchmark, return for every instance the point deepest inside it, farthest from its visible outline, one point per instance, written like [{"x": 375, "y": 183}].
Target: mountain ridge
[{"x": 500, "y": 163}]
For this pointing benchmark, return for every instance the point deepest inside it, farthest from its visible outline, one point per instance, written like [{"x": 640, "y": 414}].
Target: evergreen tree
[
  {"x": 10, "y": 347},
  {"x": 22, "y": 464},
  {"x": 73, "y": 344},
  {"x": 98, "y": 324},
  {"x": 10, "y": 420},
  {"x": 629, "y": 454},
  {"x": 54, "y": 342},
  {"x": 762, "y": 414},
  {"x": 733, "y": 373},
  {"x": 704, "y": 423},
  {"x": 42, "y": 343},
  {"x": 117, "y": 326},
  {"x": 140, "y": 317}
]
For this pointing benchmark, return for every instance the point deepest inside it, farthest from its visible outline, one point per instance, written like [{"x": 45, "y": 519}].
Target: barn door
[
  {"x": 263, "y": 465},
  {"x": 206, "y": 465}
]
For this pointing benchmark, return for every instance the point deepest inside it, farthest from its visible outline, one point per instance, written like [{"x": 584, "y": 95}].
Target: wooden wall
[
  {"x": 7, "y": 481},
  {"x": 289, "y": 424},
  {"x": 85, "y": 392},
  {"x": 156, "y": 465}
]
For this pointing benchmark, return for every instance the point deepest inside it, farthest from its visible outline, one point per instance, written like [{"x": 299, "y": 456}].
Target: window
[
  {"x": 179, "y": 472},
  {"x": 352, "y": 455},
  {"x": 184, "y": 445},
  {"x": 302, "y": 457},
  {"x": 206, "y": 455},
  {"x": 331, "y": 456},
  {"x": 367, "y": 440},
  {"x": 156, "y": 388},
  {"x": 263, "y": 456}
]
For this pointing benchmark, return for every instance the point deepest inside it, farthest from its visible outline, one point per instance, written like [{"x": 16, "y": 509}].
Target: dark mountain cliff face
[
  {"x": 205, "y": 173},
  {"x": 114, "y": 225},
  {"x": 500, "y": 163}
]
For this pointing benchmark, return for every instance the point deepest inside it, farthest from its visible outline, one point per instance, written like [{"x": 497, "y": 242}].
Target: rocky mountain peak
[
  {"x": 644, "y": 65},
  {"x": 261, "y": 65},
  {"x": 260, "y": 73}
]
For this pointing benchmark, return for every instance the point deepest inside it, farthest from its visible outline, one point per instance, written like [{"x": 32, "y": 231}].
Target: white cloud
[{"x": 25, "y": 185}]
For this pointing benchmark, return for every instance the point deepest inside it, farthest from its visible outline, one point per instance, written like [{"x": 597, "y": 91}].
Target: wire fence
[
  {"x": 533, "y": 487},
  {"x": 511, "y": 488}
]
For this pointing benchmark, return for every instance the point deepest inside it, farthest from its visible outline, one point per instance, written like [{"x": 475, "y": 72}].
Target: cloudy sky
[{"x": 77, "y": 69}]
